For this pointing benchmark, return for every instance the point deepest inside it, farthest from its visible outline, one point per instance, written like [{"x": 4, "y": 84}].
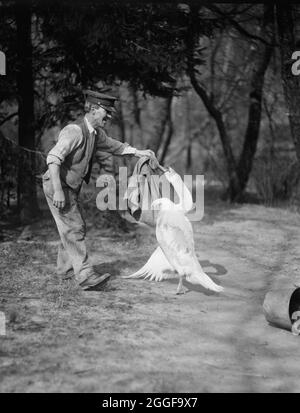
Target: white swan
[{"x": 176, "y": 251}]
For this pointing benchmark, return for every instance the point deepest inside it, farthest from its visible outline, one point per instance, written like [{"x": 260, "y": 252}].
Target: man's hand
[
  {"x": 149, "y": 154},
  {"x": 59, "y": 200}
]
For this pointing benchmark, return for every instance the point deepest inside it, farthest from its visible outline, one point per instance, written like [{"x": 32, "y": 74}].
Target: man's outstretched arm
[{"x": 115, "y": 147}]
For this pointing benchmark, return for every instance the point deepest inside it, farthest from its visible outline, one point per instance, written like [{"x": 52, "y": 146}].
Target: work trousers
[{"x": 72, "y": 251}]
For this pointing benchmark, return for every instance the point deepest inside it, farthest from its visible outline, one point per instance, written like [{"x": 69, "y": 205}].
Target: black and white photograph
[{"x": 149, "y": 199}]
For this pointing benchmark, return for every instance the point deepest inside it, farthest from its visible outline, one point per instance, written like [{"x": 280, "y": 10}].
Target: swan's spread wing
[{"x": 157, "y": 268}]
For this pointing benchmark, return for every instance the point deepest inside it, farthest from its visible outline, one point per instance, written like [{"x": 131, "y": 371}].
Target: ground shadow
[
  {"x": 220, "y": 269},
  {"x": 112, "y": 267}
]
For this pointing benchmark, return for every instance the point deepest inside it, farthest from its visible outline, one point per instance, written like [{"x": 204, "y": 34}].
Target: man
[{"x": 69, "y": 164}]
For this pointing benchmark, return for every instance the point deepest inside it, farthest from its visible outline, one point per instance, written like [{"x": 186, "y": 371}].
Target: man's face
[{"x": 100, "y": 116}]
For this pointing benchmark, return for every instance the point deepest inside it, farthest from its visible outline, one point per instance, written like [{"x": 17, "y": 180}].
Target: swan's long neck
[{"x": 184, "y": 195}]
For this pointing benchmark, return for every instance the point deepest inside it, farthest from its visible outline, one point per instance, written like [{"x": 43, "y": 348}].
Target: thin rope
[{"x": 44, "y": 155}]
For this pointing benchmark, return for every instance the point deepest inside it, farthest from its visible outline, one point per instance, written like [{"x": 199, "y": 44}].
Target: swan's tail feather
[
  {"x": 138, "y": 274},
  {"x": 201, "y": 278},
  {"x": 155, "y": 268},
  {"x": 144, "y": 272}
]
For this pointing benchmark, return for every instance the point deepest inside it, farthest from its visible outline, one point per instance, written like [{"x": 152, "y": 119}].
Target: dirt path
[{"x": 139, "y": 336}]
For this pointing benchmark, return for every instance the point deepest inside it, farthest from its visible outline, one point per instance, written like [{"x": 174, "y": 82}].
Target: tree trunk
[
  {"x": 132, "y": 130},
  {"x": 169, "y": 134},
  {"x": 263, "y": 57},
  {"x": 289, "y": 42},
  {"x": 188, "y": 134},
  {"x": 159, "y": 111},
  {"x": 26, "y": 176},
  {"x": 238, "y": 172},
  {"x": 233, "y": 186}
]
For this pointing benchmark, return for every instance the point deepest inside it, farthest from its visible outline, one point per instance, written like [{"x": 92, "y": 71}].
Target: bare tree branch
[
  {"x": 240, "y": 28},
  {"x": 7, "y": 118}
]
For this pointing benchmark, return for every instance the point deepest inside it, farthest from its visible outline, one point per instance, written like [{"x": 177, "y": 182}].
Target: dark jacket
[{"x": 143, "y": 189}]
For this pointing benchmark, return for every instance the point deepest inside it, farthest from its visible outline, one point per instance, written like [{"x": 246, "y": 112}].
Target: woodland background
[{"x": 208, "y": 87}]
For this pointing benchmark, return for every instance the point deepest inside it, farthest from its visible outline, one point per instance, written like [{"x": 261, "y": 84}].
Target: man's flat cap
[{"x": 101, "y": 99}]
